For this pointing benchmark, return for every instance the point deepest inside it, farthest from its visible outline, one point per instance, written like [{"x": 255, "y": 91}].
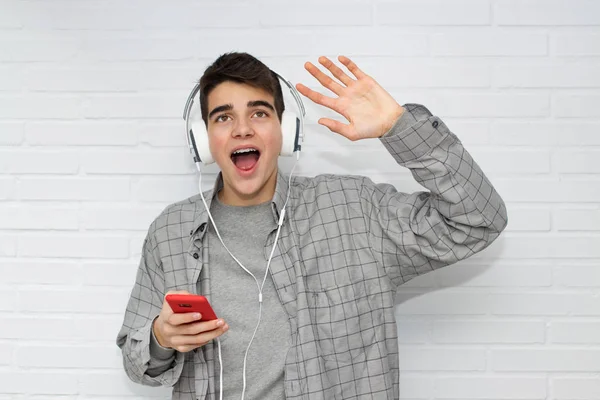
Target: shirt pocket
[{"x": 343, "y": 324}]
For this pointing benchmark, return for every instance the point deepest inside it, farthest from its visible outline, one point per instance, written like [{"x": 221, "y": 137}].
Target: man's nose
[{"x": 242, "y": 129}]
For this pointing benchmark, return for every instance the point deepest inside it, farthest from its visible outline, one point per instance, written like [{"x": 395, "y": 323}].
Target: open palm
[{"x": 370, "y": 110}]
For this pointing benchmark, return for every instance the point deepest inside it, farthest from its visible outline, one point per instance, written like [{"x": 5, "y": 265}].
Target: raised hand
[{"x": 369, "y": 109}]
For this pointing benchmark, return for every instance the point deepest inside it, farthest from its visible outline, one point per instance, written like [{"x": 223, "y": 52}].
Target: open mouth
[{"x": 245, "y": 159}]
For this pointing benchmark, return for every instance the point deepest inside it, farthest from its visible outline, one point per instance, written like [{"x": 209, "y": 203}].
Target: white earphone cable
[{"x": 260, "y": 287}]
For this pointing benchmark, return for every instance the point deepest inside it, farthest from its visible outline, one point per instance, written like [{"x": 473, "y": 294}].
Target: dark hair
[{"x": 240, "y": 68}]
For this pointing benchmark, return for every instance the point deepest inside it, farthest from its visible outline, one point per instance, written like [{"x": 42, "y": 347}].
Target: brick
[
  {"x": 118, "y": 217},
  {"x": 95, "y": 189},
  {"x": 576, "y": 106},
  {"x": 408, "y": 73},
  {"x": 40, "y": 272},
  {"x": 141, "y": 47},
  {"x": 469, "y": 332},
  {"x": 81, "y": 16},
  {"x": 8, "y": 297},
  {"x": 574, "y": 332},
  {"x": 28, "y": 328},
  {"x": 163, "y": 134},
  {"x": 413, "y": 331},
  {"x": 548, "y": 190},
  {"x": 545, "y": 304},
  {"x": 546, "y": 247},
  {"x": 12, "y": 133},
  {"x": 71, "y": 356},
  {"x": 576, "y": 161},
  {"x": 574, "y": 388},
  {"x": 8, "y": 245},
  {"x": 6, "y": 353},
  {"x": 528, "y": 219},
  {"x": 438, "y": 303},
  {"x": 358, "y": 41},
  {"x": 167, "y": 190},
  {"x": 489, "y": 105},
  {"x": 292, "y": 43},
  {"x": 38, "y": 162},
  {"x": 109, "y": 383},
  {"x": 577, "y": 220},
  {"x": 521, "y": 161},
  {"x": 546, "y": 76},
  {"x": 83, "y": 79},
  {"x": 441, "y": 359},
  {"x": 573, "y": 44},
  {"x": 38, "y": 217},
  {"x": 500, "y": 274},
  {"x": 416, "y": 387},
  {"x": 7, "y": 188},
  {"x": 70, "y": 245},
  {"x": 483, "y": 43},
  {"x": 40, "y": 106},
  {"x": 81, "y": 133},
  {"x": 433, "y": 12},
  {"x": 547, "y": 13},
  {"x": 38, "y": 47},
  {"x": 185, "y": 15},
  {"x": 54, "y": 383},
  {"x": 586, "y": 305},
  {"x": 546, "y": 360},
  {"x": 578, "y": 275},
  {"x": 484, "y": 387},
  {"x": 313, "y": 13},
  {"x": 98, "y": 301},
  {"x": 133, "y": 106},
  {"x": 555, "y": 133},
  {"x": 102, "y": 329},
  {"x": 11, "y": 78},
  {"x": 137, "y": 162},
  {"x": 10, "y": 17}
]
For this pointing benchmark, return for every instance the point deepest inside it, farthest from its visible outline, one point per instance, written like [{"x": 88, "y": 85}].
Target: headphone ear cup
[
  {"x": 199, "y": 139},
  {"x": 290, "y": 129}
]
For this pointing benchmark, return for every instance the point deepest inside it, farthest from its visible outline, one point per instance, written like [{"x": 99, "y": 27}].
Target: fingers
[
  {"x": 185, "y": 343},
  {"x": 338, "y": 127},
  {"x": 335, "y": 70},
  {"x": 352, "y": 67},
  {"x": 323, "y": 79},
  {"x": 177, "y": 319},
  {"x": 316, "y": 96}
]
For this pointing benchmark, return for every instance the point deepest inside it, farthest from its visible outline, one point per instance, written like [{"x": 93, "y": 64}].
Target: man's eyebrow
[
  {"x": 224, "y": 107},
  {"x": 256, "y": 103}
]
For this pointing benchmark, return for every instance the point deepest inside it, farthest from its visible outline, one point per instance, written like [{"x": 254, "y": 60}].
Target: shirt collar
[{"x": 201, "y": 219}]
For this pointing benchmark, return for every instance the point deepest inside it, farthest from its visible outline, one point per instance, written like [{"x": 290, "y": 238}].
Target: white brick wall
[{"x": 92, "y": 148}]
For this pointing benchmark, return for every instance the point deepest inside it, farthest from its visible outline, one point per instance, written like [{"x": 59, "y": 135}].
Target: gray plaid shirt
[{"x": 345, "y": 245}]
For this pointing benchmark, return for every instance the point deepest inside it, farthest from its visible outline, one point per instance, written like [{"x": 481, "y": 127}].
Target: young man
[{"x": 327, "y": 329}]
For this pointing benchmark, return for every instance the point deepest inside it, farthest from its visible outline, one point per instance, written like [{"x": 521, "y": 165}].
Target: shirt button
[
  {"x": 196, "y": 256},
  {"x": 435, "y": 124},
  {"x": 202, "y": 227}
]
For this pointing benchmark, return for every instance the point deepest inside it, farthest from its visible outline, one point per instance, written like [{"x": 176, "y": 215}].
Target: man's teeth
[{"x": 243, "y": 151}]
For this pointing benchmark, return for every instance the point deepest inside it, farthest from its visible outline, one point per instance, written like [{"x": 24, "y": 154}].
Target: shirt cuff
[{"x": 414, "y": 134}]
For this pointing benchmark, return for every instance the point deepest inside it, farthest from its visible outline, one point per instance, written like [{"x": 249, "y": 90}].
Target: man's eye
[
  {"x": 261, "y": 114},
  {"x": 221, "y": 118}
]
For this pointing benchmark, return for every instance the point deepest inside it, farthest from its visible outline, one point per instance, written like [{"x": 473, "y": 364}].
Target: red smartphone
[{"x": 185, "y": 303}]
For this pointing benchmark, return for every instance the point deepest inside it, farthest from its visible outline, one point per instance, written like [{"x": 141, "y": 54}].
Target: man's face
[{"x": 245, "y": 140}]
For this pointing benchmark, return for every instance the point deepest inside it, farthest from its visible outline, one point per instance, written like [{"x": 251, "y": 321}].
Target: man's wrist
[{"x": 157, "y": 335}]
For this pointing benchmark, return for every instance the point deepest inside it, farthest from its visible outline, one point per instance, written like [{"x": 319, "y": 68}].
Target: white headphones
[{"x": 292, "y": 126}]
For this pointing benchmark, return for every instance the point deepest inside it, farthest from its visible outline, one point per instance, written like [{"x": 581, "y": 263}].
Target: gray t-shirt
[{"x": 234, "y": 297}]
